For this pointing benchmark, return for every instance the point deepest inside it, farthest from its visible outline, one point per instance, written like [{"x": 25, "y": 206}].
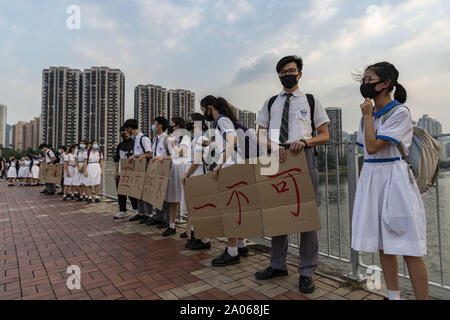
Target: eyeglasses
[
  {"x": 290, "y": 72},
  {"x": 368, "y": 79}
]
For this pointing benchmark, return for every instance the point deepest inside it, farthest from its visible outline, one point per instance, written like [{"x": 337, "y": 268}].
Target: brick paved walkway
[{"x": 40, "y": 236}]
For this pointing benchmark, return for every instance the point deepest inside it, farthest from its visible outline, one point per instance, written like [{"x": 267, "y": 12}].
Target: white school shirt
[
  {"x": 49, "y": 155},
  {"x": 195, "y": 153},
  {"x": 299, "y": 117},
  {"x": 396, "y": 129},
  {"x": 158, "y": 145},
  {"x": 224, "y": 126},
  {"x": 146, "y": 143},
  {"x": 70, "y": 159},
  {"x": 185, "y": 142},
  {"x": 62, "y": 157},
  {"x": 94, "y": 156}
]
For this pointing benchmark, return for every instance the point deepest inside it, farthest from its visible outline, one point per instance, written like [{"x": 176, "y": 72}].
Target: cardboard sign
[
  {"x": 156, "y": 180},
  {"x": 137, "y": 178},
  {"x": 126, "y": 168},
  {"x": 244, "y": 203},
  {"x": 42, "y": 172},
  {"x": 53, "y": 173}
]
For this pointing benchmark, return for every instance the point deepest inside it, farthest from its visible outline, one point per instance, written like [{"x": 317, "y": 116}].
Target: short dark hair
[
  {"x": 162, "y": 121},
  {"x": 131, "y": 123},
  {"x": 42, "y": 145},
  {"x": 284, "y": 61},
  {"x": 179, "y": 122},
  {"x": 63, "y": 147},
  {"x": 122, "y": 129}
]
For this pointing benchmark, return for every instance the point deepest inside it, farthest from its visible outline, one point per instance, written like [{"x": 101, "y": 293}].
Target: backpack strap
[
  {"x": 88, "y": 153},
  {"x": 142, "y": 145},
  {"x": 165, "y": 143},
  {"x": 312, "y": 107}
]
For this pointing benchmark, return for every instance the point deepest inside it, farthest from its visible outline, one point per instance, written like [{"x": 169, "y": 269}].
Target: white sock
[
  {"x": 393, "y": 295},
  {"x": 172, "y": 225},
  {"x": 241, "y": 244},
  {"x": 96, "y": 197},
  {"x": 233, "y": 251},
  {"x": 205, "y": 240},
  {"x": 90, "y": 197},
  {"x": 192, "y": 227}
]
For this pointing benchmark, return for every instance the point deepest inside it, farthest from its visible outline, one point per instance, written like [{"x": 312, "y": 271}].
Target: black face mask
[
  {"x": 289, "y": 81},
  {"x": 124, "y": 136},
  {"x": 189, "y": 126},
  {"x": 208, "y": 116},
  {"x": 170, "y": 129},
  {"x": 368, "y": 90}
]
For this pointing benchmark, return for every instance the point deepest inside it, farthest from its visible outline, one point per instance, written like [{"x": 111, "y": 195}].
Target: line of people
[
  {"x": 388, "y": 215},
  {"x": 23, "y": 170}
]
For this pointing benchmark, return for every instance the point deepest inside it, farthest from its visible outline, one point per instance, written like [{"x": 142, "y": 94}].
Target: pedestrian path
[{"x": 41, "y": 236}]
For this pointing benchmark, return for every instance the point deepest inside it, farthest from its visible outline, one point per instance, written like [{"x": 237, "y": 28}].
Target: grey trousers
[
  {"x": 50, "y": 187},
  {"x": 309, "y": 241},
  {"x": 164, "y": 214},
  {"x": 144, "y": 208}
]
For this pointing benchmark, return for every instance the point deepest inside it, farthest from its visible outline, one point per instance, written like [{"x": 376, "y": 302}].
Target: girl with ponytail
[
  {"x": 219, "y": 111},
  {"x": 388, "y": 213}
]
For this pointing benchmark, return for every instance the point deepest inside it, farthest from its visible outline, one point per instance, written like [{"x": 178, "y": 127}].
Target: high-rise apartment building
[
  {"x": 335, "y": 129},
  {"x": 3, "y": 114},
  {"x": 150, "y": 101},
  {"x": 103, "y": 107},
  {"x": 432, "y": 126},
  {"x": 181, "y": 103},
  {"x": 60, "y": 105},
  {"x": 8, "y": 136}
]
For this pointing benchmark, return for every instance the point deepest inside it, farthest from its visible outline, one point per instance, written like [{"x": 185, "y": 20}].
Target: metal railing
[{"x": 343, "y": 253}]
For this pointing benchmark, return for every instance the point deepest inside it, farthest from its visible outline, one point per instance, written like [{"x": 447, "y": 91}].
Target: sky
[{"x": 230, "y": 48}]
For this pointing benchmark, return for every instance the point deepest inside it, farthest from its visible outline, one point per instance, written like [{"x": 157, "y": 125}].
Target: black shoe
[
  {"x": 44, "y": 191},
  {"x": 86, "y": 199},
  {"x": 270, "y": 273},
  {"x": 89, "y": 200},
  {"x": 97, "y": 200},
  {"x": 183, "y": 235},
  {"x": 143, "y": 221},
  {"x": 199, "y": 245},
  {"x": 60, "y": 193},
  {"x": 163, "y": 225},
  {"x": 187, "y": 245},
  {"x": 243, "y": 252},
  {"x": 80, "y": 200},
  {"x": 225, "y": 260},
  {"x": 64, "y": 198},
  {"x": 50, "y": 193},
  {"x": 152, "y": 222},
  {"x": 136, "y": 217},
  {"x": 306, "y": 284},
  {"x": 169, "y": 232},
  {"x": 72, "y": 197}
]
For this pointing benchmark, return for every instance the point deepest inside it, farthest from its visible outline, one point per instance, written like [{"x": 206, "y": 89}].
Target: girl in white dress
[
  {"x": 27, "y": 171},
  {"x": 177, "y": 144},
  {"x": 69, "y": 172},
  {"x": 12, "y": 170},
  {"x": 219, "y": 111},
  {"x": 35, "y": 171},
  {"x": 79, "y": 162},
  {"x": 195, "y": 166},
  {"x": 21, "y": 173},
  {"x": 93, "y": 170},
  {"x": 388, "y": 214},
  {"x": 76, "y": 178}
]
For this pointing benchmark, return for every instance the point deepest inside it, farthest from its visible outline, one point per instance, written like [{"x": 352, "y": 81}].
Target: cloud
[
  {"x": 93, "y": 16},
  {"x": 322, "y": 10},
  {"x": 233, "y": 10},
  {"x": 262, "y": 67}
]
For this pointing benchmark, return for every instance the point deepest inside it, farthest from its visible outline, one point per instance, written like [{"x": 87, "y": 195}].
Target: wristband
[{"x": 304, "y": 141}]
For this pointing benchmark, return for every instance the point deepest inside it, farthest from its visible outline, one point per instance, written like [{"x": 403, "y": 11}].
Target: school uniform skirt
[
  {"x": 21, "y": 172},
  {"x": 76, "y": 178},
  {"x": 68, "y": 181},
  {"x": 34, "y": 172},
  {"x": 12, "y": 173},
  {"x": 183, "y": 204},
  {"x": 174, "y": 187},
  {"x": 94, "y": 177},
  {"x": 388, "y": 213}
]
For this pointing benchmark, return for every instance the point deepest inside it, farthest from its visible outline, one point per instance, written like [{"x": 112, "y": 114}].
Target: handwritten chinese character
[{"x": 282, "y": 186}]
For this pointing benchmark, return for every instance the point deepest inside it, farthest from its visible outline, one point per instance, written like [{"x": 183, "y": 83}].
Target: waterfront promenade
[{"x": 41, "y": 236}]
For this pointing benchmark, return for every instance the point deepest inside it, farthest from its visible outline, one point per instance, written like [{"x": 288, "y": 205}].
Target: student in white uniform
[
  {"x": 195, "y": 166},
  {"x": 79, "y": 162},
  {"x": 388, "y": 214},
  {"x": 69, "y": 173},
  {"x": 177, "y": 143},
  {"x": 93, "y": 170},
  {"x": 142, "y": 150},
  {"x": 35, "y": 170},
  {"x": 21, "y": 173},
  {"x": 27, "y": 171},
  {"x": 62, "y": 151},
  {"x": 219, "y": 111},
  {"x": 160, "y": 149},
  {"x": 12, "y": 170}
]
